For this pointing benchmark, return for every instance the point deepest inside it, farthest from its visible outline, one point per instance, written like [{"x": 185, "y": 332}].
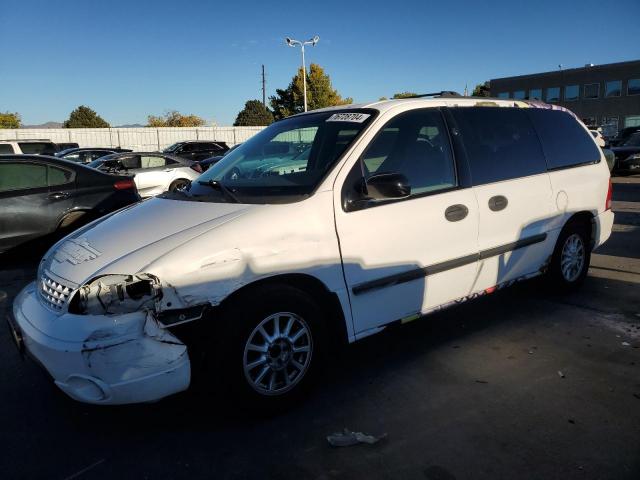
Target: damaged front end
[{"x": 117, "y": 294}]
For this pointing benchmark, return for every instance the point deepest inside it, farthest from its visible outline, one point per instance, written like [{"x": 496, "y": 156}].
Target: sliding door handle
[
  {"x": 497, "y": 203},
  {"x": 455, "y": 213}
]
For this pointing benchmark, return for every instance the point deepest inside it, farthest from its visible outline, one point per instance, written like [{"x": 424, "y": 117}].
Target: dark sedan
[
  {"x": 40, "y": 195},
  {"x": 87, "y": 154},
  {"x": 197, "y": 149},
  {"x": 628, "y": 155},
  {"x": 209, "y": 162}
]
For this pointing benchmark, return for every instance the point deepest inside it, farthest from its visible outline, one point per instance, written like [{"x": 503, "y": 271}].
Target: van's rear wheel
[
  {"x": 572, "y": 255},
  {"x": 276, "y": 344}
]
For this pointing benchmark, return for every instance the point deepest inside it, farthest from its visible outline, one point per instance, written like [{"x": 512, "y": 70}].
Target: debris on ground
[
  {"x": 560, "y": 374},
  {"x": 481, "y": 381},
  {"x": 571, "y": 421},
  {"x": 626, "y": 344},
  {"x": 347, "y": 438}
]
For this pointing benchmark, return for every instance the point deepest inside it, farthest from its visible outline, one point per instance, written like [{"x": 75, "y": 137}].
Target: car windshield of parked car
[
  {"x": 633, "y": 141},
  {"x": 172, "y": 148},
  {"x": 283, "y": 163}
]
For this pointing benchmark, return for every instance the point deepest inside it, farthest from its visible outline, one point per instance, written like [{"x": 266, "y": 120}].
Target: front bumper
[{"x": 134, "y": 361}]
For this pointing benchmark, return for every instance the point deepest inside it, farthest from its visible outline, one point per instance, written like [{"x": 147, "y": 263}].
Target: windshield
[
  {"x": 284, "y": 162},
  {"x": 633, "y": 141}
]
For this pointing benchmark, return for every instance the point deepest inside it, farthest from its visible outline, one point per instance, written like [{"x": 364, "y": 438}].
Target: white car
[
  {"x": 597, "y": 135},
  {"x": 402, "y": 208},
  {"x": 154, "y": 172},
  {"x": 28, "y": 147}
]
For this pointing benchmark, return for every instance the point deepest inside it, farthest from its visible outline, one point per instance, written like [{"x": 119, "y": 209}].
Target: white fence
[{"x": 139, "y": 139}]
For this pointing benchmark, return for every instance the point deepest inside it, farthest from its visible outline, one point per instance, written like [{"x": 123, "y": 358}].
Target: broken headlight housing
[{"x": 116, "y": 294}]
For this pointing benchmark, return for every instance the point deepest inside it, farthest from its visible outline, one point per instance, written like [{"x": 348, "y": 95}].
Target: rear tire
[
  {"x": 178, "y": 184},
  {"x": 571, "y": 257},
  {"x": 273, "y": 347}
]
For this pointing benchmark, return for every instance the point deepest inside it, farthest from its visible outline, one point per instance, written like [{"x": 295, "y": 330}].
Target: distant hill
[
  {"x": 45, "y": 125},
  {"x": 133, "y": 125}
]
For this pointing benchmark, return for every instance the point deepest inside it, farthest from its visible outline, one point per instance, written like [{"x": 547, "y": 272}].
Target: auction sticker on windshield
[{"x": 348, "y": 117}]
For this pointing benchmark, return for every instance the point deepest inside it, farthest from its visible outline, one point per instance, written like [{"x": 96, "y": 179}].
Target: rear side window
[
  {"x": 5, "y": 148},
  {"x": 564, "y": 142},
  {"x": 38, "y": 148},
  {"x": 20, "y": 176},
  {"x": 501, "y": 143},
  {"x": 59, "y": 176}
]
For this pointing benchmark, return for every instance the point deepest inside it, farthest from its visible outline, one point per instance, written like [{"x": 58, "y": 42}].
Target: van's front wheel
[
  {"x": 277, "y": 338},
  {"x": 571, "y": 258}
]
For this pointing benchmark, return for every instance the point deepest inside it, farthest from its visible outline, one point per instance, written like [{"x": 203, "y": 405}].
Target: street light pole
[{"x": 293, "y": 43}]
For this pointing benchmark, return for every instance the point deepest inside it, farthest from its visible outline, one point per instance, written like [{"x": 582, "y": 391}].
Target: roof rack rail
[
  {"x": 442, "y": 94},
  {"x": 25, "y": 140}
]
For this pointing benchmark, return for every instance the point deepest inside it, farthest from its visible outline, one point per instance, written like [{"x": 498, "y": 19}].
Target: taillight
[
  {"x": 197, "y": 167},
  {"x": 607, "y": 204},
  {"x": 124, "y": 184}
]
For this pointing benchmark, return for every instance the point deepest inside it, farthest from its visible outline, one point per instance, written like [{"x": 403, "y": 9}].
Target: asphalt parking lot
[{"x": 520, "y": 384}]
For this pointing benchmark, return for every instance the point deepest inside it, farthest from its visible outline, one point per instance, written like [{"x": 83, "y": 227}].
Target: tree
[
  {"x": 174, "y": 118},
  {"x": 84, "y": 117},
  {"x": 9, "y": 120},
  {"x": 481, "y": 90},
  {"x": 254, "y": 114},
  {"x": 404, "y": 95},
  {"x": 320, "y": 94}
]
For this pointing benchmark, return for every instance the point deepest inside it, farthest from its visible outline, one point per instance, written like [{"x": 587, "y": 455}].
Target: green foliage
[
  {"x": 254, "y": 114},
  {"x": 84, "y": 117},
  {"x": 174, "y": 118},
  {"x": 481, "y": 90},
  {"x": 320, "y": 94},
  {"x": 404, "y": 95},
  {"x": 9, "y": 120}
]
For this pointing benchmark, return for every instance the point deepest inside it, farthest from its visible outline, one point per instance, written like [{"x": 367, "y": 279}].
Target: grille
[{"x": 53, "y": 294}]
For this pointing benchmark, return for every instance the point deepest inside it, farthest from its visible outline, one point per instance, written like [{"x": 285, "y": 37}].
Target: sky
[{"x": 130, "y": 59}]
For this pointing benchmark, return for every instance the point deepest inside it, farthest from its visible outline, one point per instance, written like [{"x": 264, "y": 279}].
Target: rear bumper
[
  {"x": 142, "y": 366},
  {"x": 603, "y": 224}
]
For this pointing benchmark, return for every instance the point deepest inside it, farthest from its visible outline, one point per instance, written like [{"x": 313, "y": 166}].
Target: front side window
[
  {"x": 633, "y": 86},
  {"x": 22, "y": 176},
  {"x": 564, "y": 141},
  {"x": 501, "y": 143},
  {"x": 553, "y": 94},
  {"x": 5, "y": 148},
  {"x": 571, "y": 93},
  {"x": 285, "y": 161},
  {"x": 592, "y": 90},
  {"x": 503, "y": 95},
  {"x": 613, "y": 88},
  {"x": 535, "y": 94},
  {"x": 519, "y": 95},
  {"x": 415, "y": 144}
]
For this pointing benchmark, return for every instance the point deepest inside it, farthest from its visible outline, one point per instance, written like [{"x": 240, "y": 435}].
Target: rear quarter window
[
  {"x": 501, "y": 143},
  {"x": 564, "y": 142}
]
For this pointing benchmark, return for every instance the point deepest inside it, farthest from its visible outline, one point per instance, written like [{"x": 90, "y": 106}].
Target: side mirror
[
  {"x": 387, "y": 186},
  {"x": 611, "y": 158}
]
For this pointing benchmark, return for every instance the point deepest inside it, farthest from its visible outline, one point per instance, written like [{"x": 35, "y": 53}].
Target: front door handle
[
  {"x": 497, "y": 203},
  {"x": 58, "y": 195},
  {"x": 455, "y": 213}
]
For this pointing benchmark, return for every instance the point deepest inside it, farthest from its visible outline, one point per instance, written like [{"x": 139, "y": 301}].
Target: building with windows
[{"x": 607, "y": 96}]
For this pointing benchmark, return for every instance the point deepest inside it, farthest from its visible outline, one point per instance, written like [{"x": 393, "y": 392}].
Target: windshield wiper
[{"x": 223, "y": 188}]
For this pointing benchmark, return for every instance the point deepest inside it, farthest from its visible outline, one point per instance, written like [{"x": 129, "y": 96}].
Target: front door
[{"x": 406, "y": 257}]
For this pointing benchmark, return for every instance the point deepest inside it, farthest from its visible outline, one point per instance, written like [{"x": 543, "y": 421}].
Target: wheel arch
[
  {"x": 585, "y": 218},
  {"x": 326, "y": 299}
]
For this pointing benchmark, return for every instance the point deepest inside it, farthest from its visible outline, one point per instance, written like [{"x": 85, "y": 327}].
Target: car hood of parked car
[{"x": 129, "y": 240}]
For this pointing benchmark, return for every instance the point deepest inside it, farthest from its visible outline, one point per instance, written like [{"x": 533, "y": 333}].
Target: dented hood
[{"x": 131, "y": 239}]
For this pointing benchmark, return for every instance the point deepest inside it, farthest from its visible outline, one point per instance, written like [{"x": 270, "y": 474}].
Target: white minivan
[{"x": 396, "y": 209}]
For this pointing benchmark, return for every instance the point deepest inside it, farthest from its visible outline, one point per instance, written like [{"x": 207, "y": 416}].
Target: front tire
[
  {"x": 572, "y": 256},
  {"x": 178, "y": 184},
  {"x": 276, "y": 344}
]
